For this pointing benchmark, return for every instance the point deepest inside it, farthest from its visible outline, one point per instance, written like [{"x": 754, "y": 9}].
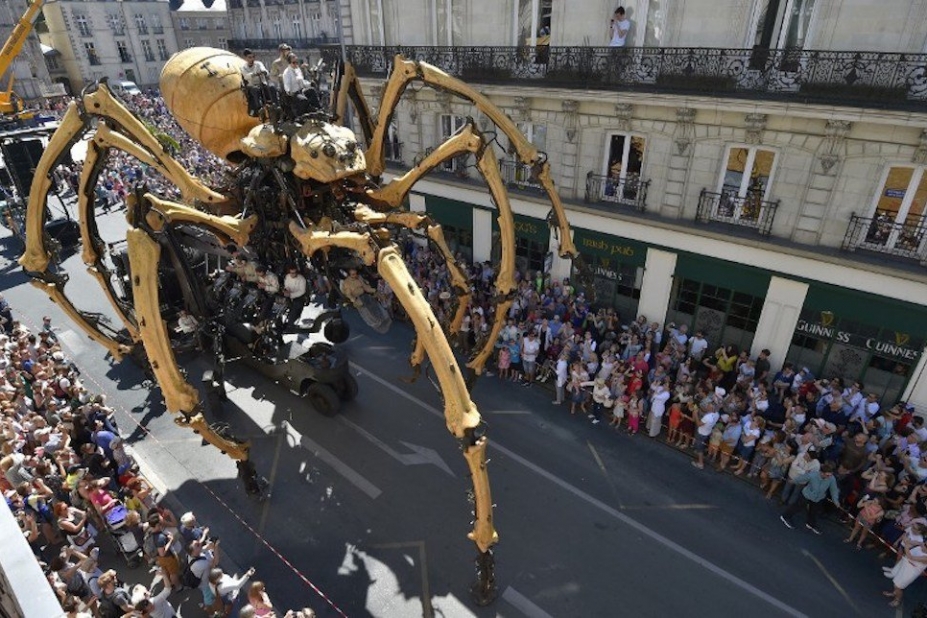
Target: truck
[{"x": 11, "y": 106}]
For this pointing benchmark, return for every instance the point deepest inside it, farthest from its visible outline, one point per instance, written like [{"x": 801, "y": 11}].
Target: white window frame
[
  {"x": 748, "y": 165},
  {"x": 626, "y": 151},
  {"x": 147, "y": 51},
  {"x": 783, "y": 31},
  {"x": 83, "y": 25},
  {"x": 184, "y": 23},
  {"x": 456, "y": 123},
  {"x": 905, "y": 207},
  {"x": 223, "y": 43}
]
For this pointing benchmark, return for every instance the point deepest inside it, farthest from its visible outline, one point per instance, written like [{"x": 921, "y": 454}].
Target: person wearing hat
[{"x": 279, "y": 65}]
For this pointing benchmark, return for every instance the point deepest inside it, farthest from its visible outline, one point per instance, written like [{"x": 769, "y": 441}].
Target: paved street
[{"x": 371, "y": 506}]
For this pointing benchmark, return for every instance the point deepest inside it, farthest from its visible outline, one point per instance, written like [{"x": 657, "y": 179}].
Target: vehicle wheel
[
  {"x": 323, "y": 398},
  {"x": 346, "y": 388}
]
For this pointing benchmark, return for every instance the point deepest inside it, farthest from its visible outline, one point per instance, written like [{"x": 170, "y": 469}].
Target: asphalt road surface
[{"x": 370, "y": 507}]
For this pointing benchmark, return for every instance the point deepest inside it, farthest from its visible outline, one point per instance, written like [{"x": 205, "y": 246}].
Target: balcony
[
  {"x": 518, "y": 175},
  {"x": 164, "y": 56},
  {"x": 271, "y": 44},
  {"x": 94, "y": 60},
  {"x": 125, "y": 57},
  {"x": 630, "y": 191},
  {"x": 727, "y": 207},
  {"x": 882, "y": 234},
  {"x": 85, "y": 31},
  {"x": 149, "y": 57},
  {"x": 157, "y": 29},
  {"x": 859, "y": 79}
]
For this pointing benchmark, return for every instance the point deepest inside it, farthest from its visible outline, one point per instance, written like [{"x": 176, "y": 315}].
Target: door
[{"x": 898, "y": 220}]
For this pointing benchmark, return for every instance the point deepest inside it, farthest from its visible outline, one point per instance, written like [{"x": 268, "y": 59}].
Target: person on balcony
[{"x": 619, "y": 28}]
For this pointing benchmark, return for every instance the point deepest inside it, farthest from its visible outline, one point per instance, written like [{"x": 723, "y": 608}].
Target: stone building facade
[
  {"x": 197, "y": 25},
  {"x": 744, "y": 175},
  {"x": 31, "y": 75}
]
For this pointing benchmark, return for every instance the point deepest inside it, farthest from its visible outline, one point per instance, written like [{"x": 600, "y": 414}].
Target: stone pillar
[
  {"x": 680, "y": 159},
  {"x": 561, "y": 267},
  {"x": 482, "y": 234},
  {"x": 916, "y": 391},
  {"x": 416, "y": 202},
  {"x": 784, "y": 300},
  {"x": 817, "y": 200},
  {"x": 657, "y": 284},
  {"x": 566, "y": 167}
]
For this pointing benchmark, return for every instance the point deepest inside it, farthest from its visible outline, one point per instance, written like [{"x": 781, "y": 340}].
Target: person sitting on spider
[
  {"x": 258, "y": 89},
  {"x": 301, "y": 92}
]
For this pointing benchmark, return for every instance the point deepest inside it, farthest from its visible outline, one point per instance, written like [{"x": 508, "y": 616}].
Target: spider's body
[{"x": 305, "y": 192}]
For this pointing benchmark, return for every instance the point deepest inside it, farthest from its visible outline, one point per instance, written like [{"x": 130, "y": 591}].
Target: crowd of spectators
[
  {"x": 69, "y": 481},
  {"x": 799, "y": 437}
]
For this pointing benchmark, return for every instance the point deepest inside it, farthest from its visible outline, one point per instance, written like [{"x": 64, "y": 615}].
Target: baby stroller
[{"x": 123, "y": 539}]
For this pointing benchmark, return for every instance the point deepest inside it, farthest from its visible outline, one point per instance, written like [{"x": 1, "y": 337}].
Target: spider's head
[{"x": 325, "y": 152}]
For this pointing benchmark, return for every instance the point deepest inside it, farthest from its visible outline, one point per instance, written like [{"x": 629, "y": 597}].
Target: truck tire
[
  {"x": 346, "y": 387},
  {"x": 323, "y": 398}
]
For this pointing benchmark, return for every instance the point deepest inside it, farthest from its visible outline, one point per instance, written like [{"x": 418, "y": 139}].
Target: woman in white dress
[{"x": 908, "y": 568}]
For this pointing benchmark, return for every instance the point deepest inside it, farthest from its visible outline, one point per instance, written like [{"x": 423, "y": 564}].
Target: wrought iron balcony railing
[
  {"x": 728, "y": 207},
  {"x": 267, "y": 44},
  {"x": 125, "y": 57},
  {"x": 863, "y": 79},
  {"x": 630, "y": 191},
  {"x": 882, "y": 234},
  {"x": 157, "y": 29},
  {"x": 518, "y": 175}
]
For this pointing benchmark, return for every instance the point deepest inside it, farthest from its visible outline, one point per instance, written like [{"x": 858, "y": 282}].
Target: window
[
  {"x": 529, "y": 254},
  {"x": 162, "y": 49},
  {"x": 115, "y": 24},
  {"x": 223, "y": 43},
  {"x": 616, "y": 284},
  {"x": 123, "y": 51},
  {"x": 297, "y": 26},
  {"x": 146, "y": 48},
  {"x": 723, "y": 315},
  {"x": 623, "y": 164},
  {"x": 515, "y": 172},
  {"x": 188, "y": 43},
  {"x": 899, "y": 218},
  {"x": 220, "y": 23},
  {"x": 278, "y": 28},
  {"x": 782, "y": 24},
  {"x": 91, "y": 52},
  {"x": 140, "y": 23},
  {"x": 450, "y": 125},
  {"x": 184, "y": 23},
  {"x": 156, "y": 26},
  {"x": 83, "y": 25},
  {"x": 459, "y": 240},
  {"x": 533, "y": 28},
  {"x": 51, "y": 62},
  {"x": 201, "y": 23}
]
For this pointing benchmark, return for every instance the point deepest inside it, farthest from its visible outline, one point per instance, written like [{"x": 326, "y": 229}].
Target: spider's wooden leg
[
  {"x": 348, "y": 87},
  {"x": 180, "y": 396},
  {"x": 467, "y": 140},
  {"x": 227, "y": 228},
  {"x": 406, "y": 71},
  {"x": 460, "y": 413},
  {"x": 143, "y": 145},
  {"x": 36, "y": 257}
]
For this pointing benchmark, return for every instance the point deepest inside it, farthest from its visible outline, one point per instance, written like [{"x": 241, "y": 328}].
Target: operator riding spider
[{"x": 306, "y": 192}]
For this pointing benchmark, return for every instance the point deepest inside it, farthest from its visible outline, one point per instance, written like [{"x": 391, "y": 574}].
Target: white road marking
[
  {"x": 524, "y": 604},
  {"x": 419, "y": 455},
  {"x": 339, "y": 466},
  {"x": 616, "y": 514},
  {"x": 510, "y": 411},
  {"x": 833, "y": 581}
]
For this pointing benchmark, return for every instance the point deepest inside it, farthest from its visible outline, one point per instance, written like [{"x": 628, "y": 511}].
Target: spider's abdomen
[{"x": 202, "y": 88}]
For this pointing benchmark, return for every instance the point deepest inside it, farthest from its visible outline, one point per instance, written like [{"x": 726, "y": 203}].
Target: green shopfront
[
  {"x": 721, "y": 299},
  {"x": 532, "y": 243},
  {"x": 617, "y": 269},
  {"x": 456, "y": 219},
  {"x": 857, "y": 336}
]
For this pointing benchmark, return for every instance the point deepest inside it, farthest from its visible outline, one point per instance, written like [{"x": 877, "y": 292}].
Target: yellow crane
[{"x": 9, "y": 102}]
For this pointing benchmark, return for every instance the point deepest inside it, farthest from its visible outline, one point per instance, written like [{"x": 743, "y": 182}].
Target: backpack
[
  {"x": 107, "y": 607},
  {"x": 188, "y": 578}
]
